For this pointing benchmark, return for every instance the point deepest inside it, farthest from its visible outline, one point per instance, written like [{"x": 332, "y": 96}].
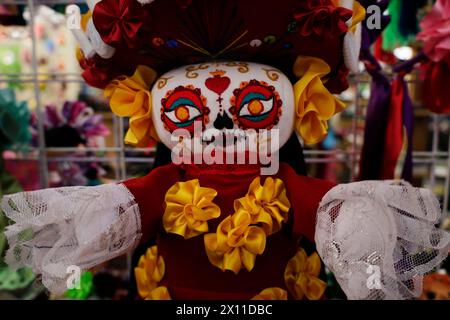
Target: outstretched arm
[
  {"x": 379, "y": 238},
  {"x": 304, "y": 194},
  {"x": 82, "y": 226},
  {"x": 72, "y": 226}
]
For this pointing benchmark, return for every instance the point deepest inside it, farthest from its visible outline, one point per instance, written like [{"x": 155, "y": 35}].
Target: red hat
[{"x": 165, "y": 34}]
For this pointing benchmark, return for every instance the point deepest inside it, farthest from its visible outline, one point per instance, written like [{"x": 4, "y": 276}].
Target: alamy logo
[
  {"x": 374, "y": 279},
  {"x": 373, "y": 21},
  {"x": 73, "y": 15},
  {"x": 233, "y": 146},
  {"x": 74, "y": 279}
]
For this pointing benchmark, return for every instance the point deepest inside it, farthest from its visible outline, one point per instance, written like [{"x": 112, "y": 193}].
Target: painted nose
[{"x": 223, "y": 121}]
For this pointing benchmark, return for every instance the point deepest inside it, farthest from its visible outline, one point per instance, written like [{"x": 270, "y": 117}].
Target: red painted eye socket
[
  {"x": 182, "y": 107},
  {"x": 256, "y": 105}
]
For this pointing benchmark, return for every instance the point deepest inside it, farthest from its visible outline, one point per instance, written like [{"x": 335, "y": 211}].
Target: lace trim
[
  {"x": 61, "y": 227},
  {"x": 379, "y": 238}
]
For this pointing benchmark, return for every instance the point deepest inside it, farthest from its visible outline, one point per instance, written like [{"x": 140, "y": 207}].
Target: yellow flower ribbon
[
  {"x": 160, "y": 293},
  {"x": 267, "y": 205},
  {"x": 188, "y": 208},
  {"x": 131, "y": 97},
  {"x": 271, "y": 294},
  {"x": 359, "y": 14},
  {"x": 315, "y": 104},
  {"x": 301, "y": 276},
  {"x": 149, "y": 272},
  {"x": 236, "y": 243}
]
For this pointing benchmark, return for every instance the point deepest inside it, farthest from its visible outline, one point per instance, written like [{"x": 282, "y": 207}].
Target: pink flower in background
[
  {"x": 436, "y": 32},
  {"x": 73, "y": 124}
]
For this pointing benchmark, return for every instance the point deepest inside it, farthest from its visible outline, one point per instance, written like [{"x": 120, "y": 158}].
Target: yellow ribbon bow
[
  {"x": 188, "y": 208},
  {"x": 149, "y": 273},
  {"x": 267, "y": 205},
  {"x": 236, "y": 243},
  {"x": 315, "y": 104},
  {"x": 131, "y": 97},
  {"x": 301, "y": 276},
  {"x": 271, "y": 294}
]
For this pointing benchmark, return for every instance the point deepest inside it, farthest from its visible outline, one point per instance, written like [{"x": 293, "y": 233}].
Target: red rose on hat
[{"x": 119, "y": 21}]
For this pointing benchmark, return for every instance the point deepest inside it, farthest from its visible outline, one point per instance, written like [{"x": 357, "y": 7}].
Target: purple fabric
[
  {"x": 372, "y": 153},
  {"x": 408, "y": 66},
  {"x": 370, "y": 36},
  {"x": 408, "y": 122}
]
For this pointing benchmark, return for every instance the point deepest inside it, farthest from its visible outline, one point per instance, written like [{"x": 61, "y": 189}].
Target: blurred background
[{"x": 56, "y": 131}]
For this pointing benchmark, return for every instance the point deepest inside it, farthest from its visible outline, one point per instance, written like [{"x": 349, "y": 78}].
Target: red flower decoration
[
  {"x": 317, "y": 17},
  {"x": 119, "y": 21},
  {"x": 99, "y": 72},
  {"x": 338, "y": 81}
]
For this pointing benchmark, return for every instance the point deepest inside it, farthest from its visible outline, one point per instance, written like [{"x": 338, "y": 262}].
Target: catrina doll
[{"x": 227, "y": 86}]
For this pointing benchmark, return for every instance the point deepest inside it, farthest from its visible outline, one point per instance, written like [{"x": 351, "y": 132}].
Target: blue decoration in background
[{"x": 14, "y": 120}]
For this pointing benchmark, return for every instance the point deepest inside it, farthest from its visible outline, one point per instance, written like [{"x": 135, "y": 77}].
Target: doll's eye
[
  {"x": 182, "y": 107},
  {"x": 256, "y": 109},
  {"x": 255, "y": 105},
  {"x": 183, "y": 115}
]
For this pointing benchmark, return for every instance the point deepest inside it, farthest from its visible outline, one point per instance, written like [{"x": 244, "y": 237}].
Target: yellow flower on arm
[
  {"x": 131, "y": 97},
  {"x": 301, "y": 276},
  {"x": 149, "y": 272},
  {"x": 315, "y": 104},
  {"x": 236, "y": 243},
  {"x": 267, "y": 205},
  {"x": 188, "y": 209},
  {"x": 271, "y": 294}
]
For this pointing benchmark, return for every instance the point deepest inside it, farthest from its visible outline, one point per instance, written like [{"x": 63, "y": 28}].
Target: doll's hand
[{"x": 379, "y": 238}]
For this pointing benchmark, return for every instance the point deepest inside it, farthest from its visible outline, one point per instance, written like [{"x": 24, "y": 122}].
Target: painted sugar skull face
[{"x": 222, "y": 98}]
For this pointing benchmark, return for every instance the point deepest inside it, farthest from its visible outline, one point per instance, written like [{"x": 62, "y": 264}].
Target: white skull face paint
[{"x": 223, "y": 97}]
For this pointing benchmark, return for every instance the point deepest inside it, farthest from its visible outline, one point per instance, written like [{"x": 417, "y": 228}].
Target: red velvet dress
[{"x": 189, "y": 274}]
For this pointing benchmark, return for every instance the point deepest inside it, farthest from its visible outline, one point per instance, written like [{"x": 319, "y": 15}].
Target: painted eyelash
[
  {"x": 253, "y": 96},
  {"x": 182, "y": 101},
  {"x": 189, "y": 97},
  {"x": 255, "y": 90}
]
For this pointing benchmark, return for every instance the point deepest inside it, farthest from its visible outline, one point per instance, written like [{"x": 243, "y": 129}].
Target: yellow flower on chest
[
  {"x": 188, "y": 209},
  {"x": 235, "y": 244},
  {"x": 241, "y": 236},
  {"x": 267, "y": 204}
]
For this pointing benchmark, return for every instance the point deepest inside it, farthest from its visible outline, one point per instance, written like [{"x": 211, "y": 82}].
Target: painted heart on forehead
[
  {"x": 218, "y": 83},
  {"x": 222, "y": 99}
]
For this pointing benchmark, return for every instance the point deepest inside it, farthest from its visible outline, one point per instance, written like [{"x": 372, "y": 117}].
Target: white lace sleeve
[
  {"x": 61, "y": 227},
  {"x": 379, "y": 238}
]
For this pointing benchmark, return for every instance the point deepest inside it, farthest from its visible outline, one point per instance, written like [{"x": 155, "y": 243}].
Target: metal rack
[{"x": 349, "y": 156}]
